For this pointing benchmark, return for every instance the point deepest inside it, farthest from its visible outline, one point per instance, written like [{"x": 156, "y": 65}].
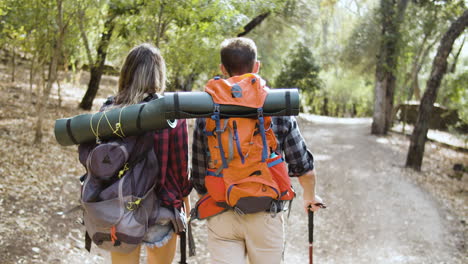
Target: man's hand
[
  {"x": 312, "y": 202},
  {"x": 313, "y": 205}
]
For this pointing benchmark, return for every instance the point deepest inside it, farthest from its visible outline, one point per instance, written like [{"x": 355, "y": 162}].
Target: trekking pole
[
  {"x": 311, "y": 232},
  {"x": 183, "y": 248}
]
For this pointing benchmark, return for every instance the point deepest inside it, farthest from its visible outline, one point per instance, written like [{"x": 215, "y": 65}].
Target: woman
[{"x": 143, "y": 75}]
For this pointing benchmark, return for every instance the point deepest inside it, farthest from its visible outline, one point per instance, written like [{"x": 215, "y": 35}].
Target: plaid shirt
[
  {"x": 290, "y": 143},
  {"x": 171, "y": 148}
]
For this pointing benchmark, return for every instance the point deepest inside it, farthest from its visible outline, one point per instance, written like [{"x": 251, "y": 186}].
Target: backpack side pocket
[
  {"x": 215, "y": 185},
  {"x": 280, "y": 175}
]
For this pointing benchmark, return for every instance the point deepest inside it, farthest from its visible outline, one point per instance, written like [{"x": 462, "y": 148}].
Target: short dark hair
[{"x": 238, "y": 55}]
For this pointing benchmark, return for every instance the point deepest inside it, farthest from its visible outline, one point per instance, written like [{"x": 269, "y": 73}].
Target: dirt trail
[
  {"x": 375, "y": 214},
  {"x": 378, "y": 212}
]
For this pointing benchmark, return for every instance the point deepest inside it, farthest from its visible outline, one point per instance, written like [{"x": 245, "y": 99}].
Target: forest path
[
  {"x": 375, "y": 214},
  {"x": 377, "y": 211}
]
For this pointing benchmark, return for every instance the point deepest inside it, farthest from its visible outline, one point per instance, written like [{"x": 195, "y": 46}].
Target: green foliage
[
  {"x": 343, "y": 35},
  {"x": 188, "y": 33},
  {"x": 454, "y": 94},
  {"x": 362, "y": 46},
  {"x": 300, "y": 71},
  {"x": 347, "y": 93}
]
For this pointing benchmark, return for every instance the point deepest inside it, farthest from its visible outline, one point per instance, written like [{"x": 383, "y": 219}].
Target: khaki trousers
[{"x": 234, "y": 238}]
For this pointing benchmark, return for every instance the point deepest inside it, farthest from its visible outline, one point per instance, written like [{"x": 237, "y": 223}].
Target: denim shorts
[{"x": 161, "y": 232}]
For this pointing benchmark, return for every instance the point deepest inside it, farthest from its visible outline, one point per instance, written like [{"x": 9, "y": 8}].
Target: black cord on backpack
[
  {"x": 183, "y": 248},
  {"x": 191, "y": 240}
]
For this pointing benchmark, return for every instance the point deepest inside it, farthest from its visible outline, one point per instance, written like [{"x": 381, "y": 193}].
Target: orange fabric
[
  {"x": 253, "y": 90},
  {"x": 207, "y": 207},
  {"x": 280, "y": 175},
  {"x": 215, "y": 186},
  {"x": 254, "y": 186},
  {"x": 252, "y": 178}
]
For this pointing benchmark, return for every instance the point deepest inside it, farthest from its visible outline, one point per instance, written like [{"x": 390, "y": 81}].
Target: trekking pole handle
[{"x": 311, "y": 221}]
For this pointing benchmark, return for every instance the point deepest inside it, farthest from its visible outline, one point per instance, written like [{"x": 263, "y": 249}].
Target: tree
[
  {"x": 116, "y": 9},
  {"x": 392, "y": 13},
  {"x": 439, "y": 68},
  {"x": 430, "y": 24},
  {"x": 301, "y": 71},
  {"x": 59, "y": 36}
]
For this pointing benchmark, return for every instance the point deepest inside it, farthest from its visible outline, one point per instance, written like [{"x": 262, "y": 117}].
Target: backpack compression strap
[
  {"x": 261, "y": 128},
  {"x": 217, "y": 118},
  {"x": 236, "y": 138}
]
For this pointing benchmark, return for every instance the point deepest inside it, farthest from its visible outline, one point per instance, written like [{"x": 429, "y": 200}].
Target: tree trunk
[
  {"x": 378, "y": 118},
  {"x": 325, "y": 106},
  {"x": 457, "y": 55},
  {"x": 98, "y": 67},
  {"x": 84, "y": 37},
  {"x": 392, "y": 62},
  {"x": 439, "y": 68},
  {"x": 13, "y": 64},
  {"x": 412, "y": 76},
  {"x": 32, "y": 74},
  {"x": 188, "y": 82},
  {"x": 59, "y": 94},
  {"x": 415, "y": 74},
  {"x": 52, "y": 75},
  {"x": 159, "y": 31},
  {"x": 383, "y": 71},
  {"x": 392, "y": 13}
]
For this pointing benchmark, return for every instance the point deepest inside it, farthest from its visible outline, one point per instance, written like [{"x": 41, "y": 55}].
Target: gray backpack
[{"x": 118, "y": 194}]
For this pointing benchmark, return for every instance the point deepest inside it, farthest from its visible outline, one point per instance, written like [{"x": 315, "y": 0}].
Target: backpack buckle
[
  {"x": 260, "y": 112},
  {"x": 133, "y": 205},
  {"x": 217, "y": 109},
  {"x": 238, "y": 211},
  {"x": 274, "y": 209}
]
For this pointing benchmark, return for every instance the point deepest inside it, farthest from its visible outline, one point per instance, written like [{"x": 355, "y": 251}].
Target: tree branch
[
  {"x": 254, "y": 23},
  {"x": 84, "y": 37}
]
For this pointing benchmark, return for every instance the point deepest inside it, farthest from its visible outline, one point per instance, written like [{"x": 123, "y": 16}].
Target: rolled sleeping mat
[
  {"x": 181, "y": 105},
  {"x": 161, "y": 113},
  {"x": 133, "y": 120}
]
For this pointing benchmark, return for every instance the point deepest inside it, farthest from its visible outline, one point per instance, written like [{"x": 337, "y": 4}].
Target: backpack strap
[
  {"x": 230, "y": 146},
  {"x": 236, "y": 138},
  {"x": 176, "y": 106},
  {"x": 288, "y": 103},
  {"x": 261, "y": 128},
  {"x": 217, "y": 118}
]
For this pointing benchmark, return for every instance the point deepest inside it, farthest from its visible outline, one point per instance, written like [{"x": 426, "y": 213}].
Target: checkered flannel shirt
[
  {"x": 171, "y": 148},
  {"x": 291, "y": 145}
]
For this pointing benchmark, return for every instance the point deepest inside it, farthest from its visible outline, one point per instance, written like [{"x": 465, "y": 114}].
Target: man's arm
[
  {"x": 307, "y": 182},
  {"x": 300, "y": 160}
]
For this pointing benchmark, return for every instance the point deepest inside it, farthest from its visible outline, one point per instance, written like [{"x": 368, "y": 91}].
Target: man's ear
[
  {"x": 256, "y": 67},
  {"x": 223, "y": 70}
]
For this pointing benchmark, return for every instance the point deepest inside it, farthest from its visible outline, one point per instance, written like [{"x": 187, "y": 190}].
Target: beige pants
[{"x": 232, "y": 238}]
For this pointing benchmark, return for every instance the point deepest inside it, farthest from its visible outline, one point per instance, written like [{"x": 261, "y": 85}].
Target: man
[{"x": 233, "y": 236}]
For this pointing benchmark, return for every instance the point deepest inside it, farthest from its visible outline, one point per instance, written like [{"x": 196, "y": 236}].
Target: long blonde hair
[{"x": 143, "y": 72}]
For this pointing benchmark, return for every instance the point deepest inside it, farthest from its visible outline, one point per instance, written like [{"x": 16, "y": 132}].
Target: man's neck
[{"x": 237, "y": 74}]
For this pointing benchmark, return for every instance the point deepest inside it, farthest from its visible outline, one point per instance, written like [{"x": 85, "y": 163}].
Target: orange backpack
[{"x": 244, "y": 173}]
